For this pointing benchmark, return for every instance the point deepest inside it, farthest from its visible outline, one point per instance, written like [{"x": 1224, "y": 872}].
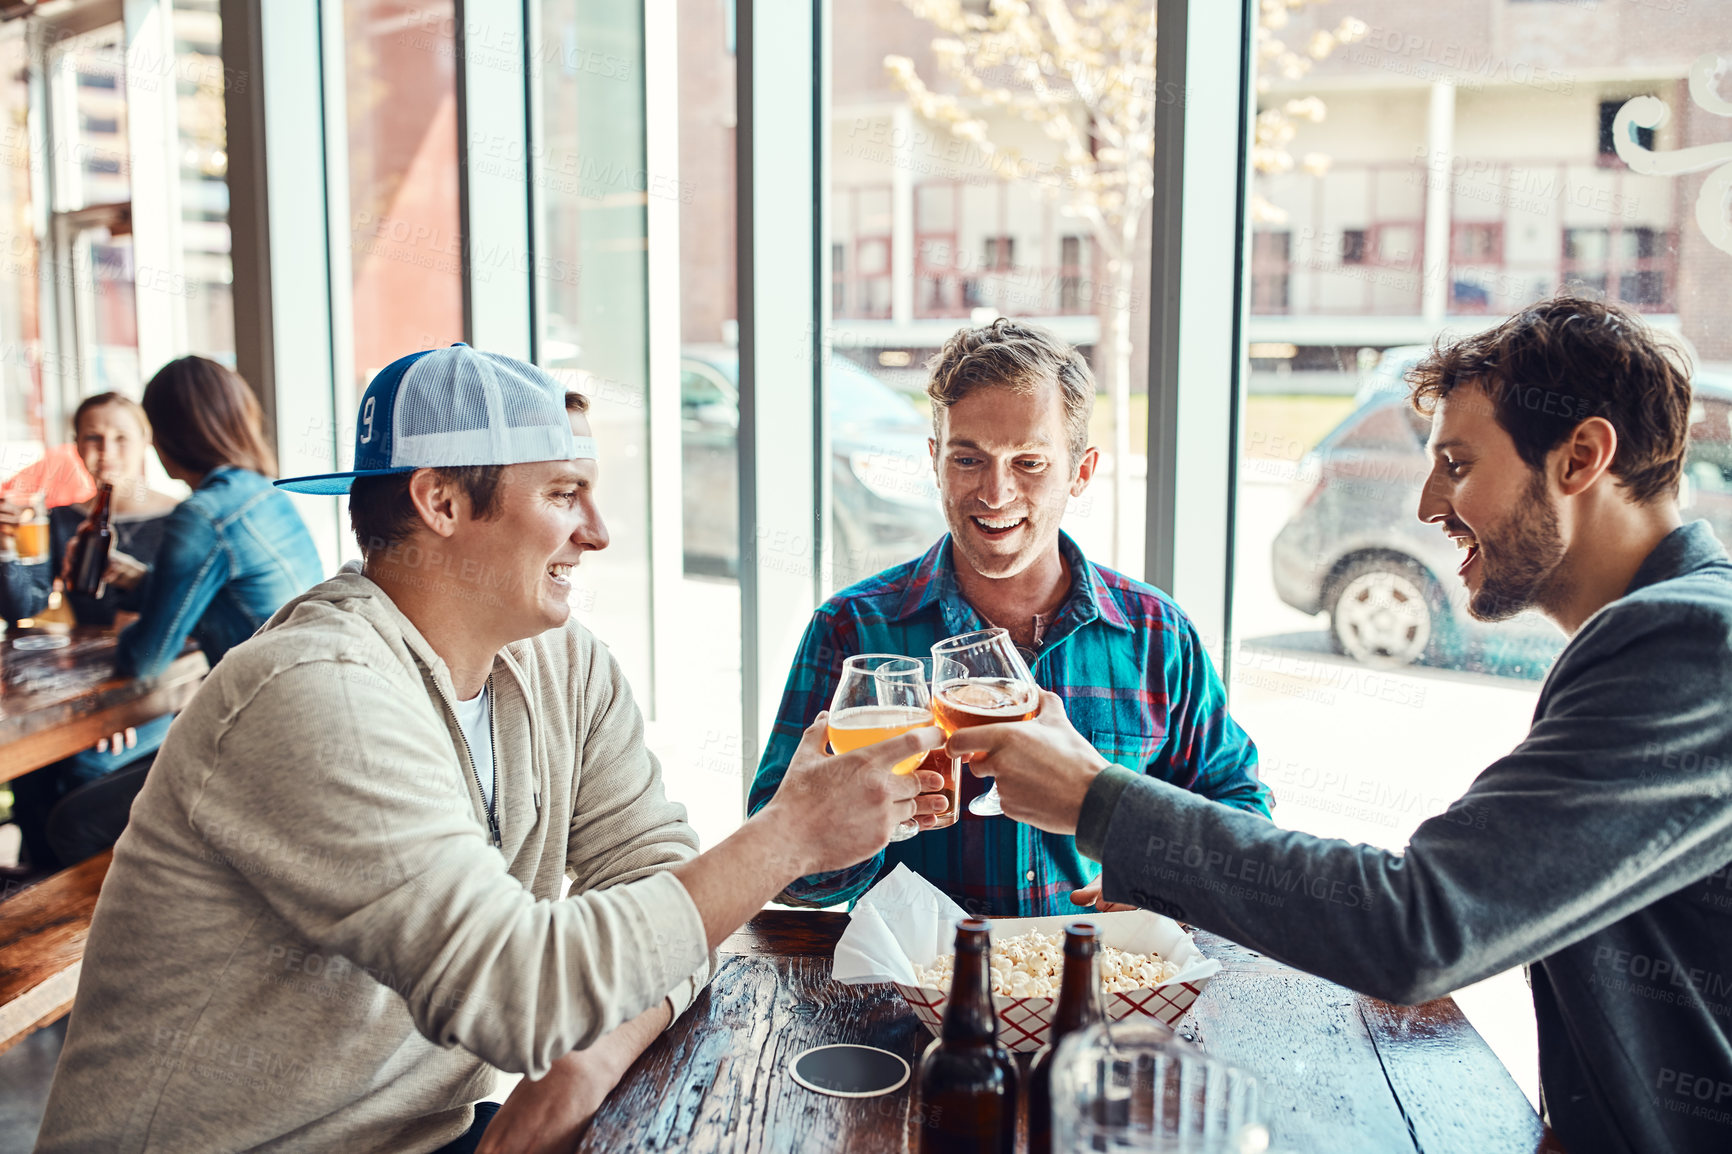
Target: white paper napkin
[
  {"x": 902, "y": 921},
  {"x": 905, "y": 921}
]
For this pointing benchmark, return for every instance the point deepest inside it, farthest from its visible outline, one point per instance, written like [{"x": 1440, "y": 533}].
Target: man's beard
[{"x": 1518, "y": 561}]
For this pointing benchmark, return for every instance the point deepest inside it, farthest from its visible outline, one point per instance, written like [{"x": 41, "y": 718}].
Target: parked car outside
[
  {"x": 1389, "y": 377},
  {"x": 1354, "y": 548},
  {"x": 885, "y": 502}
]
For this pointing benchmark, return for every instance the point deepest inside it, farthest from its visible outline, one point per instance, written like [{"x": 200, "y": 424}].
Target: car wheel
[{"x": 1388, "y": 611}]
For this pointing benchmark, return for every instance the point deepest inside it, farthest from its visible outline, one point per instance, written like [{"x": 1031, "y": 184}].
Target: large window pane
[
  {"x": 595, "y": 188},
  {"x": 706, "y": 745},
  {"x": 591, "y": 288},
  {"x": 204, "y": 192},
  {"x": 86, "y": 81},
  {"x": 90, "y": 268},
  {"x": 86, "y": 164},
  {"x": 27, "y": 410},
  {"x": 1434, "y": 172},
  {"x": 405, "y": 236},
  {"x": 974, "y": 175}
]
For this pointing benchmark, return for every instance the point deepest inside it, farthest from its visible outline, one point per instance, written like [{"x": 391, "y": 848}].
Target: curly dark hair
[
  {"x": 1019, "y": 356},
  {"x": 1561, "y": 361}
]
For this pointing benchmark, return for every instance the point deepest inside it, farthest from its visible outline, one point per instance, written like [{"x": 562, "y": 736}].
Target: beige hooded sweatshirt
[{"x": 307, "y": 940}]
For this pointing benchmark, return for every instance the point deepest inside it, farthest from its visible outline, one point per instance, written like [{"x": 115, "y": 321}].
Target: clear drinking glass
[
  {"x": 993, "y": 685},
  {"x": 31, "y": 535},
  {"x": 881, "y": 695},
  {"x": 1124, "y": 1086}
]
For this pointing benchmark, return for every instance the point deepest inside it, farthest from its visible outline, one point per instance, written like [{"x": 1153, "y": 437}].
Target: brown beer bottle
[
  {"x": 89, "y": 559},
  {"x": 968, "y": 1080},
  {"x": 1079, "y": 1005}
]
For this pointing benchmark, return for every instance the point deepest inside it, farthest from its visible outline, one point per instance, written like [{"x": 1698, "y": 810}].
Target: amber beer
[
  {"x": 946, "y": 767},
  {"x": 975, "y": 701},
  {"x": 89, "y": 561},
  {"x": 32, "y": 541},
  {"x": 31, "y": 535},
  {"x": 984, "y": 701},
  {"x": 864, "y": 725},
  {"x": 967, "y": 1080},
  {"x": 1079, "y": 1005}
]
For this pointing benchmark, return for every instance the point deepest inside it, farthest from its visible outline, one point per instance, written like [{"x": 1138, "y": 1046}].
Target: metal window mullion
[
  {"x": 62, "y": 357},
  {"x": 1197, "y": 304},
  {"x": 669, "y": 646},
  {"x": 339, "y": 233},
  {"x": 781, "y": 347},
  {"x": 152, "y": 137},
  {"x": 825, "y": 579},
  {"x": 278, "y": 190},
  {"x": 493, "y": 177}
]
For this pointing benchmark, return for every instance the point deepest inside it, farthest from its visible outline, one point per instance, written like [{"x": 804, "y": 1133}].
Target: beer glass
[
  {"x": 993, "y": 685},
  {"x": 881, "y": 695},
  {"x": 1124, "y": 1086},
  {"x": 30, "y": 536}
]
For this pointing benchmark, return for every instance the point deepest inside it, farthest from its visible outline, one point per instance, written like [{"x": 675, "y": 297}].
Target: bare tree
[{"x": 1083, "y": 71}]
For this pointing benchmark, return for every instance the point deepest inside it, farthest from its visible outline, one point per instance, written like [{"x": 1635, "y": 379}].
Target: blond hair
[
  {"x": 1016, "y": 356},
  {"x": 119, "y": 401}
]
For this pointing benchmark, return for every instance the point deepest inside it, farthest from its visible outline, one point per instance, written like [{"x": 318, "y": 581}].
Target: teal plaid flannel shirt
[{"x": 1135, "y": 681}]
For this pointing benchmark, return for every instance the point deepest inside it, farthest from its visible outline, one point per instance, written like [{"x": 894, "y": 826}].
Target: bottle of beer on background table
[
  {"x": 1079, "y": 1005},
  {"x": 89, "y": 561},
  {"x": 967, "y": 1079}
]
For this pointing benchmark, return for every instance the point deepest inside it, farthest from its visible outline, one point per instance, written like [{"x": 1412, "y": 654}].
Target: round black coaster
[{"x": 847, "y": 1071}]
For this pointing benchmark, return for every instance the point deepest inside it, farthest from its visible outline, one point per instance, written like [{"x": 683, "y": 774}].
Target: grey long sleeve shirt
[{"x": 1596, "y": 851}]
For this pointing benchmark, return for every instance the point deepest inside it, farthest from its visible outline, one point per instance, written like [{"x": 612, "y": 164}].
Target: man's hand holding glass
[{"x": 1043, "y": 769}]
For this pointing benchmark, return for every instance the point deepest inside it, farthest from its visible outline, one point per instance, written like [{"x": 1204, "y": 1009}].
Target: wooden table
[
  {"x": 42, "y": 935},
  {"x": 56, "y": 702},
  {"x": 1345, "y": 1073}
]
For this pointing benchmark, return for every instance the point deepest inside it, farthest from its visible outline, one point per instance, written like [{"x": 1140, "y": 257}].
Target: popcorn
[{"x": 1031, "y": 965}]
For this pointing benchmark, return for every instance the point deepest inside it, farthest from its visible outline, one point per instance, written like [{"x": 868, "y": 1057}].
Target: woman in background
[
  {"x": 235, "y": 550},
  {"x": 112, "y": 436},
  {"x": 224, "y": 560}
]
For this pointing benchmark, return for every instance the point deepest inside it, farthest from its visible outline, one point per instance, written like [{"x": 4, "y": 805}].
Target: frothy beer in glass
[
  {"x": 984, "y": 701},
  {"x": 864, "y": 725},
  {"x": 975, "y": 701}
]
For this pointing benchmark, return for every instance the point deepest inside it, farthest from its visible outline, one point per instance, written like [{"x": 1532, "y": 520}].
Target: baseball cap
[{"x": 450, "y": 407}]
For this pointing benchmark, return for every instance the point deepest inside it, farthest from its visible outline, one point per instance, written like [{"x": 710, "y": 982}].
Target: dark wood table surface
[
  {"x": 56, "y": 702},
  {"x": 1345, "y": 1074},
  {"x": 42, "y": 933}
]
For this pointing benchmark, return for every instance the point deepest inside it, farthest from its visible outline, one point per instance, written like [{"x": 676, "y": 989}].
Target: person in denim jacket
[
  {"x": 234, "y": 551},
  {"x": 226, "y": 558}
]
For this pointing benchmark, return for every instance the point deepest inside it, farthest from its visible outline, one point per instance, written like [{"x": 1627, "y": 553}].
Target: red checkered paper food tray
[{"x": 1024, "y": 1022}]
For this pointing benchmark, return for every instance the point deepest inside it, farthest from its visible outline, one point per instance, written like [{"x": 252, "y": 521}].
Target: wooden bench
[{"x": 42, "y": 932}]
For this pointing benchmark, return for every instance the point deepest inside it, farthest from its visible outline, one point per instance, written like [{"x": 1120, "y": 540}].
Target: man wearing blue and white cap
[{"x": 337, "y": 905}]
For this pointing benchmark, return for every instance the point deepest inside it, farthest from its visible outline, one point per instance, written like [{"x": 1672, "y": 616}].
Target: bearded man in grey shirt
[{"x": 1596, "y": 852}]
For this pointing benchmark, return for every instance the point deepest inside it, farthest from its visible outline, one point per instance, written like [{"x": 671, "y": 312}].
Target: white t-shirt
[{"x": 476, "y": 718}]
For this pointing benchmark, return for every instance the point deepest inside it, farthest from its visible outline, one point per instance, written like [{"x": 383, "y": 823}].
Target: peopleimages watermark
[
  {"x": 1695, "y": 1095},
  {"x": 1362, "y": 797},
  {"x": 1523, "y": 188},
  {"x": 1220, "y": 872},
  {"x": 574, "y": 172},
  {"x": 1327, "y": 675},
  {"x": 1426, "y": 57},
  {"x": 1662, "y": 979},
  {"x": 928, "y": 153},
  {"x": 504, "y": 49},
  {"x": 427, "y": 246}
]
